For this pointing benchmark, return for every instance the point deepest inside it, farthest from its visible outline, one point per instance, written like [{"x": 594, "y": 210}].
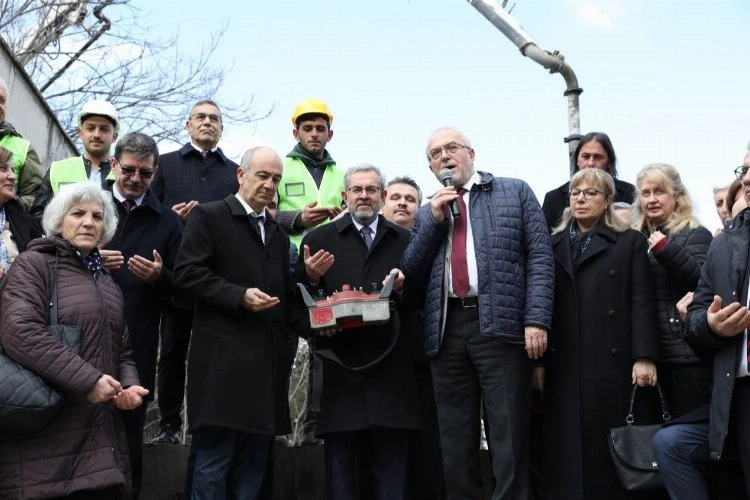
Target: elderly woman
[
  {"x": 603, "y": 339},
  {"x": 678, "y": 246},
  {"x": 83, "y": 452},
  {"x": 17, "y": 228},
  {"x": 595, "y": 150}
]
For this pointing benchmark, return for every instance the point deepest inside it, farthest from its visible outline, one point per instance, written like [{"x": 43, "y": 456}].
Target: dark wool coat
[
  {"x": 604, "y": 319},
  {"x": 238, "y": 361},
  {"x": 386, "y": 395},
  {"x": 557, "y": 200},
  {"x": 84, "y": 448},
  {"x": 148, "y": 227},
  {"x": 724, "y": 274}
]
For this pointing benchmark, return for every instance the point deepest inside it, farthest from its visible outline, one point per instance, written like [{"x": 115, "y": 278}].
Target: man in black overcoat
[
  {"x": 234, "y": 262},
  {"x": 368, "y": 399},
  {"x": 140, "y": 257}
]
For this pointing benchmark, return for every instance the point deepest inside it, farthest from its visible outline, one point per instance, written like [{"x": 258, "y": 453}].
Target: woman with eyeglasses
[
  {"x": 603, "y": 340},
  {"x": 595, "y": 150}
]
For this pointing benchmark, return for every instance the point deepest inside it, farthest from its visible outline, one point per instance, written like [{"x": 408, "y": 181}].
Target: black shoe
[{"x": 167, "y": 435}]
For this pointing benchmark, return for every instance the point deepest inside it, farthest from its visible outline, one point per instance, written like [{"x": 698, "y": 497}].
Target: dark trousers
[
  {"x": 425, "y": 461},
  {"x": 386, "y": 451},
  {"x": 229, "y": 464},
  {"x": 175, "y": 328},
  {"x": 470, "y": 368},
  {"x": 134, "y": 420},
  {"x": 683, "y": 454}
]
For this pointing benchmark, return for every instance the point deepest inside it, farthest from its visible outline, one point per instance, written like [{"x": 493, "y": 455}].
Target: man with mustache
[
  {"x": 140, "y": 257},
  {"x": 26, "y": 165},
  {"x": 98, "y": 127},
  {"x": 368, "y": 398},
  {"x": 198, "y": 172}
]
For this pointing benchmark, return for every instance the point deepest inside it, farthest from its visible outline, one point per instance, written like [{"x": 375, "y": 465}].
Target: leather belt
[{"x": 465, "y": 303}]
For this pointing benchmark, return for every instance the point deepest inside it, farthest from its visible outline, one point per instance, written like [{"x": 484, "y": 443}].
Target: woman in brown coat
[{"x": 83, "y": 452}]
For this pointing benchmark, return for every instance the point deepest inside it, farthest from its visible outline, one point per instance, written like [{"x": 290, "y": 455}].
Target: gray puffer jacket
[
  {"x": 514, "y": 261},
  {"x": 676, "y": 269}
]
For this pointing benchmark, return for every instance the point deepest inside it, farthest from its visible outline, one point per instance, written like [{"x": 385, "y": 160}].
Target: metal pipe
[{"x": 552, "y": 61}]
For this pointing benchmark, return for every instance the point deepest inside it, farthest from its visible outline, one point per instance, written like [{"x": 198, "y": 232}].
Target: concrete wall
[{"x": 30, "y": 114}]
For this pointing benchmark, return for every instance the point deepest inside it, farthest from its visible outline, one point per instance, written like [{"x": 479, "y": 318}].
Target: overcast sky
[{"x": 666, "y": 79}]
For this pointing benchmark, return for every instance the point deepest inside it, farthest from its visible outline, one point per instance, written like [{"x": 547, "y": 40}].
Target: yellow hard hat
[{"x": 309, "y": 106}]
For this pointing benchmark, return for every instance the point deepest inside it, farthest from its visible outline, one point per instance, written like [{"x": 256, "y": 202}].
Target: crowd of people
[{"x": 184, "y": 274}]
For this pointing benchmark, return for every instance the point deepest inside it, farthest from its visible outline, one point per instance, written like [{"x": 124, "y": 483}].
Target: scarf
[{"x": 93, "y": 261}]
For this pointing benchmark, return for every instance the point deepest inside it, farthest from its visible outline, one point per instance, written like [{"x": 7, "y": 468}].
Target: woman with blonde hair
[
  {"x": 678, "y": 246},
  {"x": 603, "y": 340}
]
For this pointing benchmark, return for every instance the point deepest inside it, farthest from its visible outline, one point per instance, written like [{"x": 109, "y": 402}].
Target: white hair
[{"x": 74, "y": 194}]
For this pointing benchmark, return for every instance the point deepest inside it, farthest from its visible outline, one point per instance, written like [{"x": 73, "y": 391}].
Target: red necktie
[
  {"x": 459, "y": 267},
  {"x": 128, "y": 204}
]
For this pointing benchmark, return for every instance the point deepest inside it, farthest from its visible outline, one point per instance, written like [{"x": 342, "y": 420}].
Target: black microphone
[{"x": 446, "y": 177}]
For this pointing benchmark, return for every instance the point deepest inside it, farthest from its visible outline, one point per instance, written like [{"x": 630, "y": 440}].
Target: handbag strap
[
  {"x": 53, "y": 292},
  {"x": 665, "y": 415}
]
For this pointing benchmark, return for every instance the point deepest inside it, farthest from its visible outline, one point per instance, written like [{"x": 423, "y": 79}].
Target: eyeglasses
[
  {"x": 741, "y": 171},
  {"x": 130, "y": 172},
  {"x": 358, "y": 190},
  {"x": 451, "y": 148},
  {"x": 589, "y": 194},
  {"x": 199, "y": 117}
]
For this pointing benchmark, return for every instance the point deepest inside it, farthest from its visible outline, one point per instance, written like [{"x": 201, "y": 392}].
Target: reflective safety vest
[
  {"x": 20, "y": 148},
  {"x": 297, "y": 189},
  {"x": 69, "y": 171}
]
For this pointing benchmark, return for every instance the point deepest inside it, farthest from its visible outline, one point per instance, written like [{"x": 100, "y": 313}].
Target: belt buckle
[{"x": 469, "y": 302}]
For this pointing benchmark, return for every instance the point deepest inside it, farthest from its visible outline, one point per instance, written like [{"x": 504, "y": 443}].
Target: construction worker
[
  {"x": 98, "y": 127},
  {"x": 26, "y": 165},
  {"x": 310, "y": 191}
]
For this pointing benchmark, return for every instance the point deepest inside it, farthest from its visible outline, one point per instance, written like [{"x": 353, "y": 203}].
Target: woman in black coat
[
  {"x": 595, "y": 150},
  {"x": 678, "y": 246},
  {"x": 603, "y": 340},
  {"x": 17, "y": 228}
]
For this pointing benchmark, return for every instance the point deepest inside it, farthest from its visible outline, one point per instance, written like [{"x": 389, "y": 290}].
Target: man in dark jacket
[
  {"x": 198, "y": 172},
  {"x": 489, "y": 276},
  {"x": 140, "y": 257},
  {"x": 234, "y": 262},
  {"x": 368, "y": 399},
  {"x": 718, "y": 319},
  {"x": 594, "y": 150}
]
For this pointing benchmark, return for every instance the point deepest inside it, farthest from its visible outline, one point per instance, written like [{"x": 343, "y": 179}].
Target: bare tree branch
[{"x": 77, "y": 50}]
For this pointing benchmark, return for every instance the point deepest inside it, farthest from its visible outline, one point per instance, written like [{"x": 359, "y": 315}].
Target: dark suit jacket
[
  {"x": 385, "y": 395},
  {"x": 151, "y": 226},
  {"x": 237, "y": 365},
  {"x": 557, "y": 200}
]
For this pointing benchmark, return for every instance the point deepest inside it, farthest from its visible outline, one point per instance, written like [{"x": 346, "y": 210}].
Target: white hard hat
[{"x": 99, "y": 107}]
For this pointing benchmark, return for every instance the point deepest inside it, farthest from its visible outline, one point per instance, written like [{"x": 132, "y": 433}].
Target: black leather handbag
[
  {"x": 630, "y": 448},
  {"x": 27, "y": 401}
]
